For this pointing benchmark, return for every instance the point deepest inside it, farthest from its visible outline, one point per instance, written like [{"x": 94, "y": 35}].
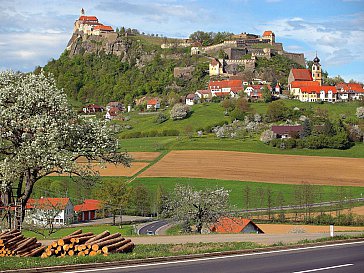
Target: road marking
[
  {"x": 323, "y": 268},
  {"x": 209, "y": 258}
]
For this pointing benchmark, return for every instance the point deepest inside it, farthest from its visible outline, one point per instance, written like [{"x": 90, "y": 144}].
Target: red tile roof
[
  {"x": 286, "y": 129},
  {"x": 297, "y": 84},
  {"x": 152, "y": 102},
  {"x": 301, "y": 74},
  {"x": 88, "y": 18},
  {"x": 190, "y": 96},
  {"x": 232, "y": 225},
  {"x": 47, "y": 203},
  {"x": 88, "y": 204},
  {"x": 268, "y": 33},
  {"x": 350, "y": 87},
  {"x": 103, "y": 28},
  {"x": 225, "y": 84}
]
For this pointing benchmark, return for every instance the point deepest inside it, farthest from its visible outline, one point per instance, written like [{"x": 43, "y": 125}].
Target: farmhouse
[
  {"x": 235, "y": 225},
  {"x": 57, "y": 210},
  {"x": 286, "y": 131},
  {"x": 112, "y": 113}
]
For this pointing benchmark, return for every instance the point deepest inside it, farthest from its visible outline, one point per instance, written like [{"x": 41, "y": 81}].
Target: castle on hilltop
[{"x": 90, "y": 25}]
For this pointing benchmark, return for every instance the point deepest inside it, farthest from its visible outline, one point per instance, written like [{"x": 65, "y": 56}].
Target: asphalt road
[
  {"x": 152, "y": 227},
  {"x": 344, "y": 257}
]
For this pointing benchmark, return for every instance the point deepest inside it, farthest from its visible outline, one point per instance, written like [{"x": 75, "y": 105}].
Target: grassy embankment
[
  {"x": 207, "y": 115},
  {"x": 236, "y": 188},
  {"x": 126, "y": 230},
  {"x": 147, "y": 251},
  {"x": 328, "y": 193}
]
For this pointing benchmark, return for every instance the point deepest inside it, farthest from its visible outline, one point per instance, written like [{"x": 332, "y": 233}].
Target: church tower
[
  {"x": 316, "y": 70},
  {"x": 82, "y": 12}
]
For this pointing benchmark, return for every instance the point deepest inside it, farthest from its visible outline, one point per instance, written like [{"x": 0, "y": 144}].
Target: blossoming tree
[
  {"x": 40, "y": 134},
  {"x": 197, "y": 208}
]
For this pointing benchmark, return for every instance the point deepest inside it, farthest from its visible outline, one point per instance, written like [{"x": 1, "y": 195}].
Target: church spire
[{"x": 82, "y": 12}]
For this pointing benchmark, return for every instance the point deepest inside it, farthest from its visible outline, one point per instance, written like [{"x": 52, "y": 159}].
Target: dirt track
[{"x": 286, "y": 169}]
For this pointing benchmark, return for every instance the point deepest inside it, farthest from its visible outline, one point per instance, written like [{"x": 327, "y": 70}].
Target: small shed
[
  {"x": 87, "y": 210},
  {"x": 235, "y": 225}
]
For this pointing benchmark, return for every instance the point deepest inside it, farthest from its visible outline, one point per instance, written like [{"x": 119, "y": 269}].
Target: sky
[{"x": 32, "y": 32}]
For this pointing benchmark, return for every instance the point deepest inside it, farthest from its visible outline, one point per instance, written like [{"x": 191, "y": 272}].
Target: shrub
[
  {"x": 267, "y": 136},
  {"x": 170, "y": 132},
  {"x": 180, "y": 111},
  {"x": 360, "y": 112},
  {"x": 161, "y": 117}
]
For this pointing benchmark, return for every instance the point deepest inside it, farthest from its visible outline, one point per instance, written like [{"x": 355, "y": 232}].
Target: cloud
[
  {"x": 335, "y": 41},
  {"x": 29, "y": 50}
]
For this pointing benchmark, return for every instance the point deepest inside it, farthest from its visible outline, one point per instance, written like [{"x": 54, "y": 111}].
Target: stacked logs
[
  {"x": 13, "y": 243},
  {"x": 88, "y": 244}
]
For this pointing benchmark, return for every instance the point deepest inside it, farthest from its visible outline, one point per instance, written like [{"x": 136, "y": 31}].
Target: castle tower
[{"x": 316, "y": 70}]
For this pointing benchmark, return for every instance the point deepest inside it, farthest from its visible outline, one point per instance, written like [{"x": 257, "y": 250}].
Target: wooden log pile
[
  {"x": 88, "y": 244},
  {"x": 13, "y": 243}
]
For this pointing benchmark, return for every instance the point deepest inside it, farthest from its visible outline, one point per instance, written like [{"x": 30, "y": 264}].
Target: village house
[
  {"x": 256, "y": 91},
  {"x": 87, "y": 210},
  {"x": 92, "y": 108},
  {"x": 112, "y": 113},
  {"x": 286, "y": 131},
  {"x": 41, "y": 211},
  {"x": 153, "y": 104},
  {"x": 204, "y": 95},
  {"x": 235, "y": 225},
  {"x": 191, "y": 99},
  {"x": 225, "y": 88},
  {"x": 215, "y": 68},
  {"x": 116, "y": 104},
  {"x": 349, "y": 91}
]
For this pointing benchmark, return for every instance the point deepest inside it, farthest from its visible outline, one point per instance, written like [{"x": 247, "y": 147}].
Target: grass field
[
  {"x": 328, "y": 193},
  {"x": 203, "y": 115},
  {"x": 208, "y": 114},
  {"x": 212, "y": 143}
]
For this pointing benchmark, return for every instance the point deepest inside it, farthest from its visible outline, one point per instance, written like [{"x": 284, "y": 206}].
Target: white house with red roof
[
  {"x": 87, "y": 210},
  {"x": 225, "y": 88},
  {"x": 269, "y": 35},
  {"x": 204, "y": 94},
  {"x": 314, "y": 93},
  {"x": 191, "y": 99},
  {"x": 349, "y": 91},
  {"x": 58, "y": 210},
  {"x": 254, "y": 91},
  {"x": 153, "y": 104}
]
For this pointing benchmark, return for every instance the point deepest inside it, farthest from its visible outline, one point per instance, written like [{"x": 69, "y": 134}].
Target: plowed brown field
[
  {"x": 281, "y": 228},
  {"x": 285, "y": 169},
  {"x": 144, "y": 156},
  {"x": 115, "y": 170}
]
